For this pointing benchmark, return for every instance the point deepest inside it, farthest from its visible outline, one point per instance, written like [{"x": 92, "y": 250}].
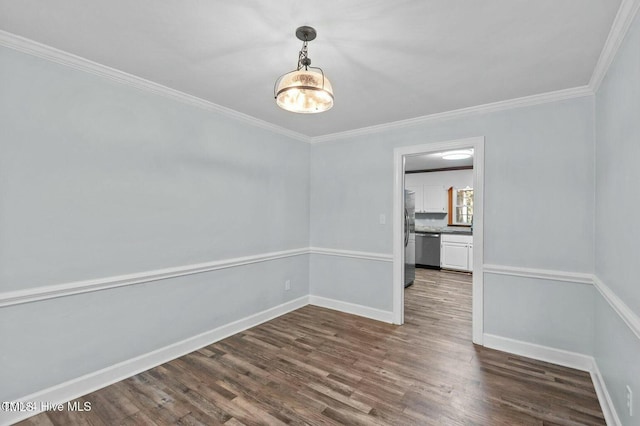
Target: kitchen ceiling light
[
  {"x": 456, "y": 155},
  {"x": 302, "y": 90}
]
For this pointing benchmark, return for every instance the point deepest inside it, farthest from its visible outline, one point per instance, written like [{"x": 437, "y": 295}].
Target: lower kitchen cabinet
[{"x": 456, "y": 252}]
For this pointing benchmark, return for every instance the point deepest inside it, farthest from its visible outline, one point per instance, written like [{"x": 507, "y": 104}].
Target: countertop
[{"x": 444, "y": 230}]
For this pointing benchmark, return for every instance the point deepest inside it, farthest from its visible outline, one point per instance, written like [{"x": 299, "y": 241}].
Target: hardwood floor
[{"x": 317, "y": 366}]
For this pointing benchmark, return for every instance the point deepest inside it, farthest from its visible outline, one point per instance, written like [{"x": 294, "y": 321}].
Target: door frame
[{"x": 399, "y": 154}]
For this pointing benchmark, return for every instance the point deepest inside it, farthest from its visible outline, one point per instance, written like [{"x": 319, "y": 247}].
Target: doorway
[{"x": 399, "y": 156}]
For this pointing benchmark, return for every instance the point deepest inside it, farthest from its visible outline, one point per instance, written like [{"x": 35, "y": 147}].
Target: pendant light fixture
[{"x": 303, "y": 90}]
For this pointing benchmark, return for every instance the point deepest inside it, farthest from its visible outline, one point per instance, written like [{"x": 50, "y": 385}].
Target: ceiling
[
  {"x": 434, "y": 161},
  {"x": 387, "y": 60}
]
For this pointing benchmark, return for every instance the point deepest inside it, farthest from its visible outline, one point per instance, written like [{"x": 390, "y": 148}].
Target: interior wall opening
[{"x": 438, "y": 206}]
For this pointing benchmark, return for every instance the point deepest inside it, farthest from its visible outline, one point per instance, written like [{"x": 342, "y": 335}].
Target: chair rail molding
[
  {"x": 382, "y": 257},
  {"x": 35, "y": 294},
  {"x": 544, "y": 274},
  {"x": 626, "y": 314}
]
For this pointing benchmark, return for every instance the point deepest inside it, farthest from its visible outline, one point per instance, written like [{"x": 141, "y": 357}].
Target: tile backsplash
[{"x": 436, "y": 220}]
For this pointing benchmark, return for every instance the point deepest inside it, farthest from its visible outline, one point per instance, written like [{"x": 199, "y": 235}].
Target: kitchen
[{"x": 439, "y": 231}]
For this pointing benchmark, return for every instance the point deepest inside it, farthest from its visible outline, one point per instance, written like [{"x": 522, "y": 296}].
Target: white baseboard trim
[
  {"x": 539, "y": 352},
  {"x": 77, "y": 287},
  {"x": 91, "y": 382},
  {"x": 382, "y": 257},
  {"x": 606, "y": 403},
  {"x": 560, "y": 357},
  {"x": 544, "y": 274},
  {"x": 352, "y": 308}
]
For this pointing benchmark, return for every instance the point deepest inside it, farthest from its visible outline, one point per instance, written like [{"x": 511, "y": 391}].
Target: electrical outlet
[
  {"x": 287, "y": 285},
  {"x": 383, "y": 219},
  {"x": 630, "y": 401}
]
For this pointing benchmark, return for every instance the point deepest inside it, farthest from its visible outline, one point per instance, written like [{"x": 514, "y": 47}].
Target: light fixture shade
[{"x": 304, "y": 91}]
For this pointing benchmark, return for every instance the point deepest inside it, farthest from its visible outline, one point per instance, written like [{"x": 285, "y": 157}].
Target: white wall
[
  {"x": 99, "y": 179},
  {"x": 538, "y": 214},
  {"x": 617, "y": 233}
]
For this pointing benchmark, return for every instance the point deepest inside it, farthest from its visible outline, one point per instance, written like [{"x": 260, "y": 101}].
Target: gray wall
[
  {"x": 538, "y": 214},
  {"x": 99, "y": 179},
  {"x": 616, "y": 215}
]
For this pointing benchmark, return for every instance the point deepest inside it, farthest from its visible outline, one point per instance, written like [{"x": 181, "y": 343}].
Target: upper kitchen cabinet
[
  {"x": 429, "y": 198},
  {"x": 435, "y": 199},
  {"x": 419, "y": 198}
]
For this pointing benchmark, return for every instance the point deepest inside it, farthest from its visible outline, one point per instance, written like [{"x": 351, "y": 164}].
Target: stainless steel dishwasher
[{"x": 428, "y": 250}]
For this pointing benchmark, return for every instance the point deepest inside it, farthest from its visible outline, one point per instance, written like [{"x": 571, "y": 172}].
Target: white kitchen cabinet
[
  {"x": 431, "y": 188},
  {"x": 429, "y": 198},
  {"x": 454, "y": 256},
  {"x": 456, "y": 252},
  {"x": 435, "y": 199},
  {"x": 419, "y": 199}
]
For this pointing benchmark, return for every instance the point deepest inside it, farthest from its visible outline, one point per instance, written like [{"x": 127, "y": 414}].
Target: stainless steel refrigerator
[{"x": 409, "y": 237}]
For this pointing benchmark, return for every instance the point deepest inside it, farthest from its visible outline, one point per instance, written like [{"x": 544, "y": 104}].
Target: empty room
[{"x": 329, "y": 213}]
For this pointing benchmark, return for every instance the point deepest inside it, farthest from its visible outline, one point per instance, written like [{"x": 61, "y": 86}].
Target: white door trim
[{"x": 477, "y": 143}]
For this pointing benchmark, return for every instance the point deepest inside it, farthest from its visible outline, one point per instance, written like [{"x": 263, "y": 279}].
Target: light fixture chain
[{"x": 303, "y": 60}]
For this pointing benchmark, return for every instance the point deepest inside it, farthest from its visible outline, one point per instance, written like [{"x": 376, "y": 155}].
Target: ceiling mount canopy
[{"x": 304, "y": 90}]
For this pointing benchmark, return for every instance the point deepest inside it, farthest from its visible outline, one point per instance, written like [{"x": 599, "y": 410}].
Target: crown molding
[
  {"x": 626, "y": 13},
  {"x": 61, "y": 57},
  {"x": 542, "y": 98}
]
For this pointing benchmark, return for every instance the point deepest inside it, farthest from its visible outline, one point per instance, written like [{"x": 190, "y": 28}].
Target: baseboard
[
  {"x": 560, "y": 357},
  {"x": 352, "y": 308},
  {"x": 606, "y": 403},
  {"x": 91, "y": 382},
  {"x": 541, "y": 353}
]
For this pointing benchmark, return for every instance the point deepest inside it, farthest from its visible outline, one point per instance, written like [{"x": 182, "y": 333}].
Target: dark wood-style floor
[{"x": 317, "y": 366}]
